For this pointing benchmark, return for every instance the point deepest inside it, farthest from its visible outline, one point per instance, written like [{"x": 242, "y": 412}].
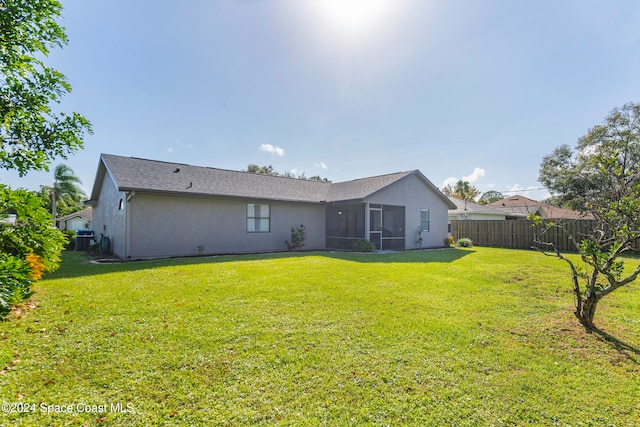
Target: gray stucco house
[{"x": 153, "y": 209}]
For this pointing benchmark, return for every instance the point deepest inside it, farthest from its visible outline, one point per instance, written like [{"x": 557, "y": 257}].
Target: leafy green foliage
[
  {"x": 269, "y": 170},
  {"x": 364, "y": 246},
  {"x": 27, "y": 248},
  {"x": 463, "y": 190},
  {"x": 298, "y": 236},
  {"x": 69, "y": 196},
  {"x": 15, "y": 280},
  {"x": 465, "y": 242},
  {"x": 490, "y": 197},
  {"x": 33, "y": 232},
  {"x": 602, "y": 178},
  {"x": 262, "y": 170},
  {"x": 32, "y": 133}
]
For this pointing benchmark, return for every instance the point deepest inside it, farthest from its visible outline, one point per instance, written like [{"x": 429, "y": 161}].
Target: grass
[{"x": 460, "y": 337}]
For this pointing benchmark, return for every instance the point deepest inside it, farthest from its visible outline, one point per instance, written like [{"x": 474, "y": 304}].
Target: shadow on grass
[
  {"x": 77, "y": 264},
  {"x": 620, "y": 346}
]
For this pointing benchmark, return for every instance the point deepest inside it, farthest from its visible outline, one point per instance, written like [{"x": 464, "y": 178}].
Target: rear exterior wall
[
  {"x": 414, "y": 195},
  {"x": 166, "y": 226},
  {"x": 109, "y": 216}
]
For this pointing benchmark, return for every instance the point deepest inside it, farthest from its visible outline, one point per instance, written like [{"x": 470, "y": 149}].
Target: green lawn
[{"x": 453, "y": 337}]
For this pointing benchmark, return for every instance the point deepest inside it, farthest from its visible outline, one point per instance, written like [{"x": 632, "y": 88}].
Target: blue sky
[{"x": 475, "y": 89}]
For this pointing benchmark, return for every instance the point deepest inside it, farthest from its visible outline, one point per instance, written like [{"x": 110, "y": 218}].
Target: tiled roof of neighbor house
[
  {"x": 524, "y": 205},
  {"x": 474, "y": 208},
  {"x": 86, "y": 213},
  {"x": 134, "y": 174}
]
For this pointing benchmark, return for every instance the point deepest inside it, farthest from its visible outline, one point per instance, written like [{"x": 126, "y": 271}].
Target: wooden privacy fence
[{"x": 518, "y": 233}]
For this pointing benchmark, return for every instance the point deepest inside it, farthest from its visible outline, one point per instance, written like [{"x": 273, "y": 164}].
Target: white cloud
[
  {"x": 170, "y": 150},
  {"x": 450, "y": 181},
  {"x": 475, "y": 176},
  {"x": 273, "y": 149},
  {"x": 516, "y": 188},
  {"x": 321, "y": 165}
]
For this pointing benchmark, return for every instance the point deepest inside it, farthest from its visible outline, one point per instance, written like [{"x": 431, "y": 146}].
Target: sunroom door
[{"x": 375, "y": 227}]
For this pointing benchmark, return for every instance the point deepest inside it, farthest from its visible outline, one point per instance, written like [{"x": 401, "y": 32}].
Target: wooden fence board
[{"x": 519, "y": 234}]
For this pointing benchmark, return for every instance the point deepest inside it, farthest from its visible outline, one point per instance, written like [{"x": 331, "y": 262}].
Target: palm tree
[
  {"x": 465, "y": 191},
  {"x": 65, "y": 196}
]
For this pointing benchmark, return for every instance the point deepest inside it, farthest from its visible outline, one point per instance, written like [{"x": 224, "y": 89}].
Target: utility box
[{"x": 84, "y": 238}]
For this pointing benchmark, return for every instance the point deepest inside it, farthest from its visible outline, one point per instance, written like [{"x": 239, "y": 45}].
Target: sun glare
[{"x": 354, "y": 17}]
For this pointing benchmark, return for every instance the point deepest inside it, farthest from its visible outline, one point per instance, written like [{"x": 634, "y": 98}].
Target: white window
[
  {"x": 258, "y": 218},
  {"x": 425, "y": 215}
]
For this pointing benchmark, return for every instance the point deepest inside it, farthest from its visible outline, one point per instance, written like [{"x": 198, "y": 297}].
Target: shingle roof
[
  {"x": 86, "y": 213},
  {"x": 134, "y": 174},
  {"x": 524, "y": 205},
  {"x": 364, "y": 187},
  {"x": 471, "y": 207}
]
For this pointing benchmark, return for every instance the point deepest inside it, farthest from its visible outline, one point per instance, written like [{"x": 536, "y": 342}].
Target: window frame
[
  {"x": 255, "y": 220},
  {"x": 426, "y": 221}
]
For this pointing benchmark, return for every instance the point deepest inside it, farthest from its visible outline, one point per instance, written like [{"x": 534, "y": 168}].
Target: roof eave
[{"x": 215, "y": 196}]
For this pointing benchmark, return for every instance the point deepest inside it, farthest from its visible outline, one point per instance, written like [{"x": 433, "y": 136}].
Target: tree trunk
[
  {"x": 54, "y": 208},
  {"x": 586, "y": 310}
]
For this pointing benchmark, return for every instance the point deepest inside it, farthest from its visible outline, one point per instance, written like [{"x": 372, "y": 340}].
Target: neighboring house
[
  {"x": 466, "y": 210},
  {"x": 158, "y": 209},
  {"x": 8, "y": 218},
  {"x": 525, "y": 206},
  {"x": 80, "y": 220}
]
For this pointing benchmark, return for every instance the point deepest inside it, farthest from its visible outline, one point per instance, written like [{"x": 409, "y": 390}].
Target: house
[
  {"x": 466, "y": 210},
  {"x": 80, "y": 220},
  {"x": 150, "y": 209},
  {"x": 525, "y": 206}
]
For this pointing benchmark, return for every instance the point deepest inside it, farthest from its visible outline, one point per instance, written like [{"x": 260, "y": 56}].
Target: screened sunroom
[{"x": 383, "y": 225}]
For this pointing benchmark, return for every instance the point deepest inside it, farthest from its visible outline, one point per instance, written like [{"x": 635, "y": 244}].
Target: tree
[
  {"x": 448, "y": 190},
  {"x": 32, "y": 133},
  {"x": 32, "y": 233},
  {"x": 262, "y": 170},
  {"x": 463, "y": 190},
  {"x": 602, "y": 177},
  {"x": 318, "y": 178},
  {"x": 28, "y": 246},
  {"x": 68, "y": 195},
  {"x": 490, "y": 197},
  {"x": 269, "y": 170}
]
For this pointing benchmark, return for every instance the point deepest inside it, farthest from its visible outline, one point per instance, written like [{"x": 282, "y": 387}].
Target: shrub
[
  {"x": 28, "y": 247},
  {"x": 449, "y": 241},
  {"x": 32, "y": 233},
  {"x": 364, "y": 246},
  {"x": 71, "y": 239},
  {"x": 297, "y": 238},
  {"x": 15, "y": 280},
  {"x": 465, "y": 242}
]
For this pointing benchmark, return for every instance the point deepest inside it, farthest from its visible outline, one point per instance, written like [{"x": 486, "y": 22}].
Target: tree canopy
[
  {"x": 32, "y": 132},
  {"x": 605, "y": 161},
  {"x": 462, "y": 190},
  {"x": 490, "y": 197},
  {"x": 601, "y": 177},
  {"x": 269, "y": 170},
  {"x": 69, "y": 196}
]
